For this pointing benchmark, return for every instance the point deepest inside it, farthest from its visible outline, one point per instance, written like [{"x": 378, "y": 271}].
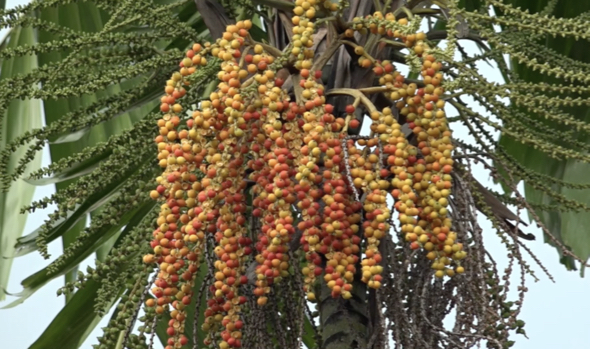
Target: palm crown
[{"x": 304, "y": 153}]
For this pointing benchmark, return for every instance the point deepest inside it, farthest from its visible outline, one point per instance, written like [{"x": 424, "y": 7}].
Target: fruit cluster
[
  {"x": 306, "y": 174},
  {"x": 421, "y": 175},
  {"x": 328, "y": 219},
  {"x": 274, "y": 150},
  {"x": 178, "y": 240}
]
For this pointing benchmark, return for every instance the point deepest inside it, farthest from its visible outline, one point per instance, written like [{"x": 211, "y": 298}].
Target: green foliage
[
  {"x": 74, "y": 319},
  {"x": 25, "y": 115},
  {"x": 99, "y": 68},
  {"x": 571, "y": 102}
]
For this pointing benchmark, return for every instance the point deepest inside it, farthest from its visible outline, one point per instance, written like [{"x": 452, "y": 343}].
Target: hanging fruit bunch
[{"x": 254, "y": 152}]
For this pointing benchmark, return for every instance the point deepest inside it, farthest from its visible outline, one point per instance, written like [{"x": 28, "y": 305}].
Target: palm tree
[{"x": 95, "y": 72}]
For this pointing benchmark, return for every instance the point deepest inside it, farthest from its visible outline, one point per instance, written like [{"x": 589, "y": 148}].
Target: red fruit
[
  {"x": 225, "y": 335},
  {"x": 354, "y": 123},
  {"x": 170, "y": 331},
  {"x": 227, "y": 306},
  {"x": 183, "y": 340},
  {"x": 350, "y": 109}
]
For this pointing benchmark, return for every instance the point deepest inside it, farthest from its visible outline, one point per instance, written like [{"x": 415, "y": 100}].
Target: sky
[{"x": 556, "y": 314}]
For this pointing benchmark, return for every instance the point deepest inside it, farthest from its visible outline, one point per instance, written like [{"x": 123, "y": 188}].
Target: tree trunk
[{"x": 344, "y": 323}]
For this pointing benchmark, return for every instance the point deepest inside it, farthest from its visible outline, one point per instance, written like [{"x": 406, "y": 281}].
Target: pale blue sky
[{"x": 556, "y": 314}]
